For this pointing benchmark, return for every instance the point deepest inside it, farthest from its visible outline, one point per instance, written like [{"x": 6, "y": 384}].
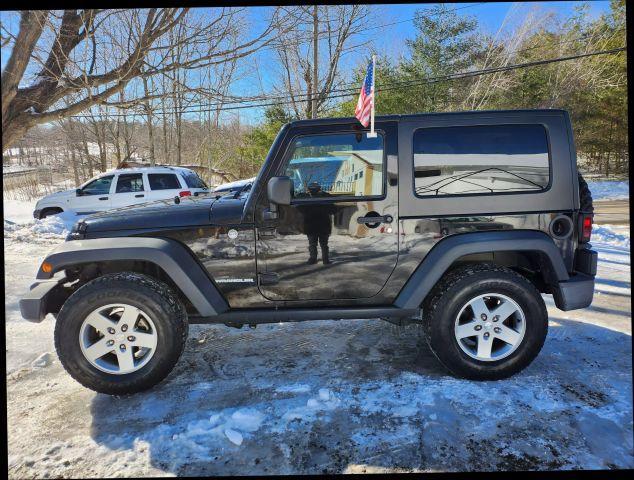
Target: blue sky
[
  {"x": 388, "y": 41},
  {"x": 489, "y": 15}
]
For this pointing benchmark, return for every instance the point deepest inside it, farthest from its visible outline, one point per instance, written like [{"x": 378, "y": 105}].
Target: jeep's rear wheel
[
  {"x": 121, "y": 333},
  {"x": 485, "y": 322}
]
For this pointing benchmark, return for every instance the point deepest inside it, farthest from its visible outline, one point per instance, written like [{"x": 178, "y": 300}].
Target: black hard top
[{"x": 415, "y": 116}]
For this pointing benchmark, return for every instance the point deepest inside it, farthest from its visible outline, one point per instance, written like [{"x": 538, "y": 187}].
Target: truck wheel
[
  {"x": 485, "y": 322},
  {"x": 49, "y": 212},
  {"x": 121, "y": 333}
]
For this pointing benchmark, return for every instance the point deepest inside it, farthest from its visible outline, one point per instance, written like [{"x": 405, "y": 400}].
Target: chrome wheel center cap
[
  {"x": 488, "y": 325},
  {"x": 119, "y": 337}
]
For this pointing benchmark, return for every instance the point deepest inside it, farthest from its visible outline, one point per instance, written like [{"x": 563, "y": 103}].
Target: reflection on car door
[
  {"x": 338, "y": 239},
  {"x": 129, "y": 190}
]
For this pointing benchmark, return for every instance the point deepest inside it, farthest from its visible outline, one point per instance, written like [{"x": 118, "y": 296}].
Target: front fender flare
[
  {"x": 173, "y": 257},
  {"x": 447, "y": 251}
]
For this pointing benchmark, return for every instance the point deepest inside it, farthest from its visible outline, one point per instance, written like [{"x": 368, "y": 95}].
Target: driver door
[
  {"x": 338, "y": 239},
  {"x": 95, "y": 196}
]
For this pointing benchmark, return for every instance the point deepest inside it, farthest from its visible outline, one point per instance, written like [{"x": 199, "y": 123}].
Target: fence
[{"x": 30, "y": 183}]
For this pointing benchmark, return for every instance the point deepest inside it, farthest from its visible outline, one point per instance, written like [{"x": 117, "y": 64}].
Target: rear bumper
[
  {"x": 578, "y": 291},
  {"x": 34, "y": 304}
]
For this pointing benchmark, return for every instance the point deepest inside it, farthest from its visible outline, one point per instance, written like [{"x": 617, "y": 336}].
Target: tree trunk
[
  {"x": 150, "y": 126},
  {"x": 103, "y": 154},
  {"x": 165, "y": 147},
  {"x": 73, "y": 161},
  {"x": 117, "y": 145},
  {"x": 87, "y": 154}
]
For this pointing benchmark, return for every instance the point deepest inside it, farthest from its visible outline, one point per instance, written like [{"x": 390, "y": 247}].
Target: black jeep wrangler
[{"x": 456, "y": 221}]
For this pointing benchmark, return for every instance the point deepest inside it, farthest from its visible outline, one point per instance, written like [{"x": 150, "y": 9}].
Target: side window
[
  {"x": 193, "y": 181},
  {"x": 340, "y": 164},
  {"x": 132, "y": 182},
  {"x": 163, "y": 181},
  {"x": 100, "y": 186},
  {"x": 480, "y": 159}
]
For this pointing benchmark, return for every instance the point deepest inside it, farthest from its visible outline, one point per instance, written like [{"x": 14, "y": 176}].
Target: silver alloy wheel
[
  {"x": 118, "y": 338},
  {"x": 490, "y": 327}
]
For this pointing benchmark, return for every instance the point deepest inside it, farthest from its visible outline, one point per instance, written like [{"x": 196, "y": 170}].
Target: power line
[
  {"x": 352, "y": 87},
  {"x": 393, "y": 86},
  {"x": 326, "y": 35}
]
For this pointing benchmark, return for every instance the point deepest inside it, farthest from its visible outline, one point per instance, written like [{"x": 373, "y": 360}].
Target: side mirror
[
  {"x": 78, "y": 192},
  {"x": 279, "y": 190}
]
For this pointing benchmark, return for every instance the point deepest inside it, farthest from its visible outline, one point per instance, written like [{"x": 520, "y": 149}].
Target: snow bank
[
  {"x": 53, "y": 227},
  {"x": 18, "y": 211},
  {"x": 606, "y": 234},
  {"x": 20, "y": 225},
  {"x": 610, "y": 190}
]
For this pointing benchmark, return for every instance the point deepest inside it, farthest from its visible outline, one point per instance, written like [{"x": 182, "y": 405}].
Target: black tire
[
  {"x": 454, "y": 291},
  {"x": 585, "y": 196},
  {"x": 144, "y": 292},
  {"x": 48, "y": 212}
]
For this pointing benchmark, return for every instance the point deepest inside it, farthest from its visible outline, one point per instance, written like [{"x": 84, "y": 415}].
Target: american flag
[{"x": 366, "y": 97}]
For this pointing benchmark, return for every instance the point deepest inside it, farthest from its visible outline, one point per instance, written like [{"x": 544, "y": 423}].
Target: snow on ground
[
  {"x": 609, "y": 190},
  {"x": 326, "y": 396},
  {"x": 611, "y": 234},
  {"x": 20, "y": 226},
  {"x": 18, "y": 211}
]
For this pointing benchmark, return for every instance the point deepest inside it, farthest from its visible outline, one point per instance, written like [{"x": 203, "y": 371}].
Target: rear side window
[
  {"x": 193, "y": 181},
  {"x": 163, "y": 181},
  {"x": 480, "y": 159},
  {"x": 131, "y": 182}
]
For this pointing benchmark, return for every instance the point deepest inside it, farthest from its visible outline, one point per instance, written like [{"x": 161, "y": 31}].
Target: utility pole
[{"x": 315, "y": 57}]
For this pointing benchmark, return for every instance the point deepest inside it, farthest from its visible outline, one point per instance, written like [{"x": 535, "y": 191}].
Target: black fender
[
  {"x": 447, "y": 251},
  {"x": 173, "y": 257}
]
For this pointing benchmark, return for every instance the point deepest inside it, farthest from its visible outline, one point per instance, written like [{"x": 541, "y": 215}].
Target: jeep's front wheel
[
  {"x": 121, "y": 333},
  {"x": 485, "y": 322}
]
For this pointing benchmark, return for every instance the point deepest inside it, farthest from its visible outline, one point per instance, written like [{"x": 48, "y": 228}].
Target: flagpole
[{"x": 372, "y": 133}]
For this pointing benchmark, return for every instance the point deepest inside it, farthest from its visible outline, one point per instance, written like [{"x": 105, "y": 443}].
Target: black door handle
[
  {"x": 375, "y": 219},
  {"x": 139, "y": 196},
  {"x": 103, "y": 198},
  {"x": 267, "y": 233}
]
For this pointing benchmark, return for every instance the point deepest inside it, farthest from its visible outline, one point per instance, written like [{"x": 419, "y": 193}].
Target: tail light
[
  {"x": 586, "y": 228},
  {"x": 185, "y": 193}
]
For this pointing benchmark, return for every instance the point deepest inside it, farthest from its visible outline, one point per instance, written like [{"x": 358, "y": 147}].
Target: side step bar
[{"x": 241, "y": 317}]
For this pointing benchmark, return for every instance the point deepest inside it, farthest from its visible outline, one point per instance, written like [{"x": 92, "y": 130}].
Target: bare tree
[
  {"x": 310, "y": 55},
  {"x": 92, "y": 55}
]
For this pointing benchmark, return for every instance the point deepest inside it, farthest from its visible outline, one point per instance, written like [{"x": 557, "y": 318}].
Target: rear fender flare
[{"x": 447, "y": 251}]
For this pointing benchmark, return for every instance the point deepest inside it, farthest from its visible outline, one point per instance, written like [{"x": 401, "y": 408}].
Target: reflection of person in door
[{"x": 317, "y": 225}]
